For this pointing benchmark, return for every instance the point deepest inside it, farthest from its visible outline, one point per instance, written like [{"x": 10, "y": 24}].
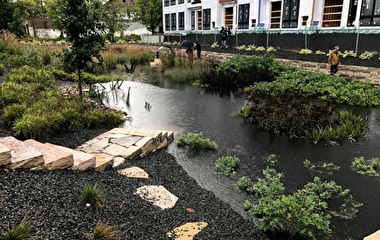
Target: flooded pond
[{"x": 185, "y": 108}]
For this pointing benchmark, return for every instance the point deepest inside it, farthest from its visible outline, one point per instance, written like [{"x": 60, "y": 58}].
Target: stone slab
[
  {"x": 126, "y": 141},
  {"x": 114, "y": 150},
  {"x": 373, "y": 236},
  {"x": 131, "y": 152},
  {"x": 187, "y": 231},
  {"x": 95, "y": 146},
  {"x": 54, "y": 157},
  {"x": 23, "y": 156},
  {"x": 158, "y": 196},
  {"x": 117, "y": 161},
  {"x": 82, "y": 161},
  {"x": 133, "y": 172},
  {"x": 5, "y": 155},
  {"x": 103, "y": 162}
]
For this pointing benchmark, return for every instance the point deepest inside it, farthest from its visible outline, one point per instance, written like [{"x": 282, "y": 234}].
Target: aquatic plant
[
  {"x": 320, "y": 167},
  {"x": 366, "y": 166},
  {"x": 196, "y": 141},
  {"x": 227, "y": 165}
]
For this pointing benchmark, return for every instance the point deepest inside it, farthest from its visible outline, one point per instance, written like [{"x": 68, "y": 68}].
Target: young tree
[
  {"x": 115, "y": 14},
  {"x": 149, "y": 12},
  {"x": 83, "y": 23},
  {"x": 6, "y": 12}
]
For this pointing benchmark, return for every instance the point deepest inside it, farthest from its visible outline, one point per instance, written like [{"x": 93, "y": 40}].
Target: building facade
[{"x": 284, "y": 22}]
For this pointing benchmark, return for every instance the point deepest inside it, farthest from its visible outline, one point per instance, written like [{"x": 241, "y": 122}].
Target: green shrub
[
  {"x": 367, "y": 55},
  {"x": 196, "y": 141},
  {"x": 104, "y": 232},
  {"x": 349, "y": 53},
  {"x": 13, "y": 112},
  {"x": 322, "y": 168},
  {"x": 306, "y": 212},
  {"x": 2, "y": 70},
  {"x": 93, "y": 196},
  {"x": 21, "y": 231},
  {"x": 227, "y": 165},
  {"x": 306, "y": 51},
  {"x": 368, "y": 167},
  {"x": 245, "y": 184}
]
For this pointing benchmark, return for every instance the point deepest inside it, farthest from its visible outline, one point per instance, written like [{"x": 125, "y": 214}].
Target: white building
[{"x": 184, "y": 17}]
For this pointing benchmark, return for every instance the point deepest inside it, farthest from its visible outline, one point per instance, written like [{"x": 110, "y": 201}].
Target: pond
[{"x": 185, "y": 108}]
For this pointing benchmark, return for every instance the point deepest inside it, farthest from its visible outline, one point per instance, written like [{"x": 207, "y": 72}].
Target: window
[
  {"x": 166, "y": 3},
  {"x": 290, "y": 14},
  {"x": 243, "y": 19},
  {"x": 173, "y": 22},
  {"x": 370, "y": 13},
  {"x": 275, "y": 16},
  {"x": 192, "y": 20},
  {"x": 172, "y": 2},
  {"x": 229, "y": 17},
  {"x": 332, "y": 13},
  {"x": 206, "y": 19},
  {"x": 352, "y": 13},
  {"x": 167, "y": 22},
  {"x": 199, "y": 20},
  {"x": 181, "y": 21},
  {"x": 181, "y": 1}
]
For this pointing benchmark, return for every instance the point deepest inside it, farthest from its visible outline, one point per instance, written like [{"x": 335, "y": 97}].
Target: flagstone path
[{"x": 106, "y": 151}]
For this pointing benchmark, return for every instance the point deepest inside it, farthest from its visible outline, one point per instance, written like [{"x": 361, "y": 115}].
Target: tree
[
  {"x": 6, "y": 13},
  {"x": 17, "y": 25},
  {"x": 83, "y": 23},
  {"x": 149, "y": 12},
  {"x": 113, "y": 21}
]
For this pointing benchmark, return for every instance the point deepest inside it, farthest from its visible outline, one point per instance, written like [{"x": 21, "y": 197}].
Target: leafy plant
[
  {"x": 21, "y": 231},
  {"x": 245, "y": 184},
  {"x": 93, "y": 196},
  {"x": 367, "y": 55},
  {"x": 320, "y": 167},
  {"x": 271, "y": 49},
  {"x": 215, "y": 45},
  {"x": 319, "y": 52},
  {"x": 367, "y": 166},
  {"x": 306, "y": 51},
  {"x": 104, "y": 232},
  {"x": 305, "y": 212},
  {"x": 196, "y": 141},
  {"x": 349, "y": 53},
  {"x": 227, "y": 165}
]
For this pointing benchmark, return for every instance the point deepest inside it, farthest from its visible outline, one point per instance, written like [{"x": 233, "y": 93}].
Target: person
[
  {"x": 224, "y": 32},
  {"x": 189, "y": 52},
  {"x": 198, "y": 48},
  {"x": 334, "y": 60}
]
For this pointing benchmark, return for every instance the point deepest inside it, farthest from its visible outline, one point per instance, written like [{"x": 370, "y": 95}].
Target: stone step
[
  {"x": 22, "y": 155},
  {"x": 5, "y": 155},
  {"x": 82, "y": 161},
  {"x": 54, "y": 157}
]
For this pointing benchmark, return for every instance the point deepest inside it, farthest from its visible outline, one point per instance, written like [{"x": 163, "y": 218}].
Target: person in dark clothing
[
  {"x": 198, "y": 48},
  {"x": 224, "y": 32}
]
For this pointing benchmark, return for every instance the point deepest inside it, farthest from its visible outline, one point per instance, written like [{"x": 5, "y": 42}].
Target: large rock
[
  {"x": 187, "y": 231},
  {"x": 54, "y": 157},
  {"x": 23, "y": 156},
  {"x": 82, "y": 161},
  {"x": 158, "y": 196},
  {"x": 5, "y": 155},
  {"x": 373, "y": 236}
]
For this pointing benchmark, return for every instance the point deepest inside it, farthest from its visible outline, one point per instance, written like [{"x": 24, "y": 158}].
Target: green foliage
[
  {"x": 321, "y": 168},
  {"x": 306, "y": 212},
  {"x": 2, "y": 70},
  {"x": 93, "y": 196},
  {"x": 367, "y": 55},
  {"x": 196, "y": 141},
  {"x": 149, "y": 12},
  {"x": 306, "y": 51},
  {"x": 21, "y": 231},
  {"x": 13, "y": 112},
  {"x": 349, "y": 53},
  {"x": 319, "y": 52},
  {"x": 366, "y": 166},
  {"x": 227, "y": 165},
  {"x": 104, "y": 232},
  {"x": 245, "y": 184}
]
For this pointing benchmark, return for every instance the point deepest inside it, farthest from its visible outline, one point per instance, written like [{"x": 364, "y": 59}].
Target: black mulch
[{"x": 50, "y": 200}]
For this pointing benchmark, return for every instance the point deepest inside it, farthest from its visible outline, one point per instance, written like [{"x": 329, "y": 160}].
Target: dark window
[
  {"x": 192, "y": 20},
  {"x": 370, "y": 13},
  {"x": 206, "y": 19},
  {"x": 181, "y": 1},
  {"x": 181, "y": 21},
  {"x": 275, "y": 17},
  {"x": 352, "y": 13},
  {"x": 243, "y": 19},
  {"x": 290, "y": 14},
  {"x": 173, "y": 22},
  {"x": 167, "y": 22},
  {"x": 166, "y": 3},
  {"x": 172, "y": 2}
]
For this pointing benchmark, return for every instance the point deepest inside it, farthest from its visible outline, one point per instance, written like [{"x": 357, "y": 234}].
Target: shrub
[
  {"x": 93, "y": 196},
  {"x": 104, "y": 232},
  {"x": 215, "y": 45},
  {"x": 245, "y": 184},
  {"x": 13, "y": 112},
  {"x": 368, "y": 167},
  {"x": 227, "y": 165},
  {"x": 21, "y": 231},
  {"x": 367, "y": 55},
  {"x": 319, "y": 52},
  {"x": 306, "y": 51},
  {"x": 196, "y": 141},
  {"x": 271, "y": 49},
  {"x": 350, "y": 53},
  {"x": 2, "y": 70},
  {"x": 305, "y": 212}
]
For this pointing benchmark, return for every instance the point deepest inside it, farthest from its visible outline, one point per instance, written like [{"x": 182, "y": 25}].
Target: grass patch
[
  {"x": 92, "y": 196},
  {"x": 196, "y": 141},
  {"x": 22, "y": 231},
  {"x": 104, "y": 232}
]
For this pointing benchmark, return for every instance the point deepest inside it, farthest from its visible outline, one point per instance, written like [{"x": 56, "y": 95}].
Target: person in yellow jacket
[{"x": 334, "y": 60}]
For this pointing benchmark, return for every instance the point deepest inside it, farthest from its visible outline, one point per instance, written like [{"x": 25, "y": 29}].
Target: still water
[{"x": 185, "y": 108}]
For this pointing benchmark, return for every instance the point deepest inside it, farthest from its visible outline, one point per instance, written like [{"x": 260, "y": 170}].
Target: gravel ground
[{"x": 50, "y": 200}]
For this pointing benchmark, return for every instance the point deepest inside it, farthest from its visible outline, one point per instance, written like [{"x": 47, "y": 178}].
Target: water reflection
[{"x": 184, "y": 108}]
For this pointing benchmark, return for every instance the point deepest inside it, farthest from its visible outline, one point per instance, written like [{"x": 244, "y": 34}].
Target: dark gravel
[{"x": 50, "y": 200}]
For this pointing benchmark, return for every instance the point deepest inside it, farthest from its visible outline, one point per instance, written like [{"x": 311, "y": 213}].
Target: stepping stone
[
  {"x": 23, "y": 156},
  {"x": 82, "y": 161},
  {"x": 103, "y": 162},
  {"x": 133, "y": 172},
  {"x": 126, "y": 141},
  {"x": 117, "y": 161},
  {"x": 131, "y": 152},
  {"x": 114, "y": 150},
  {"x": 54, "y": 157},
  {"x": 373, "y": 236},
  {"x": 94, "y": 146},
  {"x": 5, "y": 155},
  {"x": 158, "y": 196},
  {"x": 187, "y": 231}
]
